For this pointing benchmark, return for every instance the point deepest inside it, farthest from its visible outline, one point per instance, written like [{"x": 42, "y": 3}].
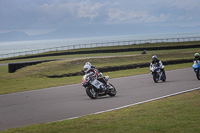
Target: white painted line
[
  {"x": 134, "y": 103},
  {"x": 148, "y": 100}
]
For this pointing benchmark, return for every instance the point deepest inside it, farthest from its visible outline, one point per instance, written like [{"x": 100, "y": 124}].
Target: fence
[{"x": 93, "y": 45}]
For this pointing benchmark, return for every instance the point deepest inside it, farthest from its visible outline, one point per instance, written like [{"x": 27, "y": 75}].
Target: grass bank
[
  {"x": 193, "y": 50},
  {"x": 76, "y": 65},
  {"x": 177, "y": 114}
]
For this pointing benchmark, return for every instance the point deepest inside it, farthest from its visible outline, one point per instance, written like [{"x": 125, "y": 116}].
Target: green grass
[
  {"x": 76, "y": 65},
  {"x": 177, "y": 114}
]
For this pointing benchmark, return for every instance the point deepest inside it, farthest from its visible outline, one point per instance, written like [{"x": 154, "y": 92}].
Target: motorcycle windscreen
[
  {"x": 195, "y": 65},
  {"x": 158, "y": 70}
]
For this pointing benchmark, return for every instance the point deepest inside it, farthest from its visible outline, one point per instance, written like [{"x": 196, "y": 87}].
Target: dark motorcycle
[
  {"x": 196, "y": 67},
  {"x": 95, "y": 88},
  {"x": 158, "y": 74}
]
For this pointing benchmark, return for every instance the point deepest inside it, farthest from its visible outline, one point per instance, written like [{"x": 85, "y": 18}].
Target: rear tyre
[
  {"x": 113, "y": 91},
  {"x": 155, "y": 77},
  {"x": 91, "y": 92}
]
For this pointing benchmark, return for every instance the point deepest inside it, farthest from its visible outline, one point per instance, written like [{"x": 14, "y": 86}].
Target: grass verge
[{"x": 177, "y": 114}]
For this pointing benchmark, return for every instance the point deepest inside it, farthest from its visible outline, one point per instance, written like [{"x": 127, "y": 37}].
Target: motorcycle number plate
[{"x": 96, "y": 83}]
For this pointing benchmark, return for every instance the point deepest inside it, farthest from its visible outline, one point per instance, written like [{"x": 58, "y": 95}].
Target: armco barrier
[
  {"x": 123, "y": 67},
  {"x": 12, "y": 67},
  {"x": 108, "y": 51}
]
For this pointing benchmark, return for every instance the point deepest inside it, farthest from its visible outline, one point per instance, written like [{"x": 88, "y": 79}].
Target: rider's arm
[
  {"x": 93, "y": 72},
  {"x": 150, "y": 67},
  {"x": 160, "y": 63}
]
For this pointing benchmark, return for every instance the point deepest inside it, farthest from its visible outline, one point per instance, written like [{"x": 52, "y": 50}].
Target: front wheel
[
  {"x": 155, "y": 77},
  {"x": 163, "y": 77},
  {"x": 112, "y": 92},
  {"x": 198, "y": 74},
  {"x": 91, "y": 92}
]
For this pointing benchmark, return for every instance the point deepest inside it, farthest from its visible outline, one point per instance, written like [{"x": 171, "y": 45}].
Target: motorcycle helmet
[
  {"x": 196, "y": 55},
  {"x": 86, "y": 68},
  {"x": 88, "y": 63},
  {"x": 154, "y": 58}
]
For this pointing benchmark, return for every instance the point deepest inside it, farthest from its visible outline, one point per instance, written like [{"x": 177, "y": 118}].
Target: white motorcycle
[
  {"x": 157, "y": 73},
  {"x": 95, "y": 88}
]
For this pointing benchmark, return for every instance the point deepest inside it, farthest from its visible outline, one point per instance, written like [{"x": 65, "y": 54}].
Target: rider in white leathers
[{"x": 156, "y": 62}]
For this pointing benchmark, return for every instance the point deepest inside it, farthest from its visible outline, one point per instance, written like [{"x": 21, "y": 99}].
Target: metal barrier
[{"x": 93, "y": 45}]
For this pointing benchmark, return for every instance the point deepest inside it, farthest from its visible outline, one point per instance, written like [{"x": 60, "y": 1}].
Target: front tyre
[
  {"x": 155, "y": 77},
  {"x": 91, "y": 92},
  {"x": 112, "y": 92},
  {"x": 163, "y": 77},
  {"x": 198, "y": 74}
]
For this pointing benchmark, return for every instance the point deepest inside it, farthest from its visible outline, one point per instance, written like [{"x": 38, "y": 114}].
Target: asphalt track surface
[{"x": 64, "y": 102}]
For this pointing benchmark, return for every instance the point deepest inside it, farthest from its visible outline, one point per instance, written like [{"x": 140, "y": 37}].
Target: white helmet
[
  {"x": 88, "y": 63},
  {"x": 86, "y": 68},
  {"x": 154, "y": 58}
]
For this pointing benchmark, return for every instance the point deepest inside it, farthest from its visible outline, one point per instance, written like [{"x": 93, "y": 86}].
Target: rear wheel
[
  {"x": 91, "y": 92},
  {"x": 112, "y": 92},
  {"x": 155, "y": 77}
]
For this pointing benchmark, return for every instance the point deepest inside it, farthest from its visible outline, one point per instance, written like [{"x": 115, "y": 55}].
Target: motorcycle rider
[
  {"x": 157, "y": 62},
  {"x": 90, "y": 69},
  {"x": 196, "y": 57}
]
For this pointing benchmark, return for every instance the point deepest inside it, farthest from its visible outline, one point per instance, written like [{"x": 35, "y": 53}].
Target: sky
[{"x": 42, "y": 16}]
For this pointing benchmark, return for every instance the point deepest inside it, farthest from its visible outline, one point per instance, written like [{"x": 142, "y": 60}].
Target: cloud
[
  {"x": 54, "y": 14},
  {"x": 186, "y": 4},
  {"x": 123, "y": 16},
  {"x": 87, "y": 10},
  {"x": 156, "y": 12},
  {"x": 118, "y": 16}
]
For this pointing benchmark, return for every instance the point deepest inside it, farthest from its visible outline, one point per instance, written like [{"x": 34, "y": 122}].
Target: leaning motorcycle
[
  {"x": 196, "y": 66},
  {"x": 157, "y": 73},
  {"x": 95, "y": 88}
]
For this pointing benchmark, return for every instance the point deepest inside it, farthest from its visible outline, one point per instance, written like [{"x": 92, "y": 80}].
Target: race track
[{"x": 63, "y": 102}]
